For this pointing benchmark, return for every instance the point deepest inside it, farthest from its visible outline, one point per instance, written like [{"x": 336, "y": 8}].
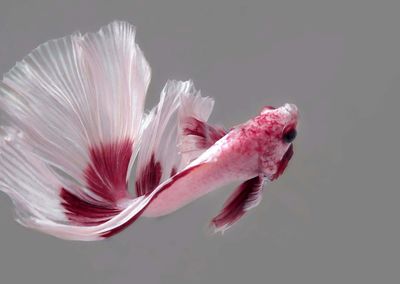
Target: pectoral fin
[{"x": 247, "y": 196}]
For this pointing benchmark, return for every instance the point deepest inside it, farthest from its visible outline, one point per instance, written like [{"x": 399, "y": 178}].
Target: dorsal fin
[
  {"x": 160, "y": 157},
  {"x": 196, "y": 135}
]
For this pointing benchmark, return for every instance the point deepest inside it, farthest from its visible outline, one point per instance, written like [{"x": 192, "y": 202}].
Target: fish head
[{"x": 276, "y": 129}]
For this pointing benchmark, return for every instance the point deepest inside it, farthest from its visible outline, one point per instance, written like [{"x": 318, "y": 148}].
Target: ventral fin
[{"x": 247, "y": 196}]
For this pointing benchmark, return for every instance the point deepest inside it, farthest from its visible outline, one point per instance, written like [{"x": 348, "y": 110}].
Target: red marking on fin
[
  {"x": 106, "y": 177},
  {"x": 206, "y": 133},
  {"x": 149, "y": 178},
  {"x": 173, "y": 172},
  {"x": 245, "y": 197},
  {"x": 82, "y": 212},
  {"x": 106, "y": 174},
  {"x": 284, "y": 162}
]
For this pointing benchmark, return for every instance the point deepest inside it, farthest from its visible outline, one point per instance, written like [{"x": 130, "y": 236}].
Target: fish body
[
  {"x": 75, "y": 125},
  {"x": 249, "y": 150}
]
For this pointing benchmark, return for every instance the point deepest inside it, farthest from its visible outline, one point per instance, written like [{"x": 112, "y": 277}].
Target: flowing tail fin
[
  {"x": 44, "y": 203},
  {"x": 74, "y": 110}
]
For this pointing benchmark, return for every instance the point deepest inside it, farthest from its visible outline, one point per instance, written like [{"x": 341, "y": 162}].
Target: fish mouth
[
  {"x": 283, "y": 163},
  {"x": 290, "y": 107}
]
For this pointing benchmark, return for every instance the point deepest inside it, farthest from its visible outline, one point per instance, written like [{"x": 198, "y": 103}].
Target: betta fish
[{"x": 74, "y": 127}]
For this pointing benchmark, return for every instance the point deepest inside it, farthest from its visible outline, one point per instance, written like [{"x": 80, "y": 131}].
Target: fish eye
[{"x": 289, "y": 135}]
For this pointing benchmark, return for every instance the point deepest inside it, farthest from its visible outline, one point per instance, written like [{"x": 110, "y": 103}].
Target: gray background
[{"x": 332, "y": 218}]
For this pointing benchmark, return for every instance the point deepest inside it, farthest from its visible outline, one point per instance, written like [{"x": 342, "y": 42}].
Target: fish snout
[{"x": 291, "y": 108}]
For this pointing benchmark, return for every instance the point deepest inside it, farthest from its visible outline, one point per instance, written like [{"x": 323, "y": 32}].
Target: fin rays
[
  {"x": 75, "y": 109},
  {"x": 247, "y": 196}
]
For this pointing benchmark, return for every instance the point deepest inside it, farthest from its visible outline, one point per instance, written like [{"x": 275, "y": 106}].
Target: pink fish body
[
  {"x": 248, "y": 151},
  {"x": 75, "y": 126}
]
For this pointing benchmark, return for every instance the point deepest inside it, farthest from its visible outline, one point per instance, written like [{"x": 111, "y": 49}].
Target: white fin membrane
[
  {"x": 195, "y": 134},
  {"x": 74, "y": 111},
  {"x": 160, "y": 157}
]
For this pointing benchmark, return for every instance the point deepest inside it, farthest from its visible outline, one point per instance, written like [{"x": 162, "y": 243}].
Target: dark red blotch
[
  {"x": 106, "y": 173},
  {"x": 149, "y": 178},
  {"x": 106, "y": 177},
  {"x": 206, "y": 133},
  {"x": 84, "y": 212},
  {"x": 173, "y": 172}
]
